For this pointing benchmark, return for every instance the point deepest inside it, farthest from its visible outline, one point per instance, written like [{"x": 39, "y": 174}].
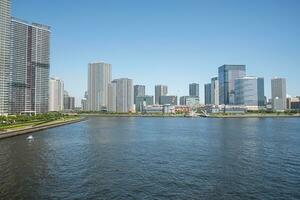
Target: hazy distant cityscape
[{"x": 26, "y": 86}]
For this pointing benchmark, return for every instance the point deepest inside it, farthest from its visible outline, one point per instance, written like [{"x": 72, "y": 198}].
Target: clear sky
[{"x": 172, "y": 42}]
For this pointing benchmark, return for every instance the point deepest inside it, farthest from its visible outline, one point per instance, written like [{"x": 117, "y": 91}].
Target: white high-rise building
[
  {"x": 112, "y": 97},
  {"x": 56, "y": 94},
  {"x": 215, "y": 91},
  {"x": 5, "y": 21},
  {"x": 99, "y": 76},
  {"x": 278, "y": 86},
  {"x": 124, "y": 95}
]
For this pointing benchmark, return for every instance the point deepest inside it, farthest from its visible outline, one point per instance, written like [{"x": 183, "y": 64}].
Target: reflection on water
[{"x": 148, "y": 158}]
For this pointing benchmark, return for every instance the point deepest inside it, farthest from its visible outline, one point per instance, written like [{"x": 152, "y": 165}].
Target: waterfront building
[
  {"x": 192, "y": 102},
  {"x": 194, "y": 90},
  {"x": 207, "y": 94},
  {"x": 227, "y": 76},
  {"x": 278, "y": 86},
  {"x": 112, "y": 97},
  {"x": 69, "y": 102},
  {"x": 172, "y": 100},
  {"x": 5, "y": 22},
  {"x": 249, "y": 91},
  {"x": 160, "y": 90},
  {"x": 99, "y": 76},
  {"x": 56, "y": 94},
  {"x": 139, "y": 90},
  {"x": 142, "y": 101},
  {"x": 124, "y": 95},
  {"x": 182, "y": 109},
  {"x": 30, "y": 63},
  {"x": 153, "y": 109},
  {"x": 189, "y": 101},
  {"x": 295, "y": 103},
  {"x": 215, "y": 91},
  {"x": 84, "y": 106},
  {"x": 168, "y": 109}
]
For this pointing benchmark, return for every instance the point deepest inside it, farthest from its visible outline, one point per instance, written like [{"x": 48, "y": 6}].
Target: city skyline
[{"x": 135, "y": 55}]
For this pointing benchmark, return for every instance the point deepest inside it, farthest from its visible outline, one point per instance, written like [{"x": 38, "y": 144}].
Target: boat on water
[{"x": 30, "y": 138}]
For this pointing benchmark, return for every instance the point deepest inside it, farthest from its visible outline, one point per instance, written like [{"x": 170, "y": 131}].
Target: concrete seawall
[{"x": 37, "y": 128}]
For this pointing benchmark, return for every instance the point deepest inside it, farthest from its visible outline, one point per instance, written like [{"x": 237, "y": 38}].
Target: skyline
[{"x": 139, "y": 36}]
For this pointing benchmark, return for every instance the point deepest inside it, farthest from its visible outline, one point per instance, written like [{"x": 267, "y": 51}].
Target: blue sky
[{"x": 172, "y": 42}]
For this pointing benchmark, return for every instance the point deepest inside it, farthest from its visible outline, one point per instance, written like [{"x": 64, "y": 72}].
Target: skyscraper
[
  {"x": 278, "y": 86},
  {"x": 5, "y": 20},
  {"x": 207, "y": 94},
  {"x": 112, "y": 97},
  {"x": 194, "y": 90},
  {"x": 160, "y": 90},
  {"x": 215, "y": 91},
  {"x": 99, "y": 76},
  {"x": 30, "y": 63},
  {"x": 56, "y": 94},
  {"x": 139, "y": 90},
  {"x": 124, "y": 95},
  {"x": 69, "y": 102},
  {"x": 227, "y": 76},
  {"x": 249, "y": 91}
]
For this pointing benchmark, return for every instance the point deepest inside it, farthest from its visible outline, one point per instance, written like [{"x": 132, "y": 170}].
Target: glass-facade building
[
  {"x": 172, "y": 100},
  {"x": 227, "y": 76},
  {"x": 30, "y": 64},
  {"x": 160, "y": 90},
  {"x": 207, "y": 94},
  {"x": 139, "y": 90},
  {"x": 194, "y": 90},
  {"x": 5, "y": 21},
  {"x": 249, "y": 91},
  {"x": 142, "y": 102}
]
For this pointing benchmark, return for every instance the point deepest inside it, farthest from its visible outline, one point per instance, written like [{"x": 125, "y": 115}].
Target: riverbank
[
  {"x": 247, "y": 115},
  {"x": 27, "y": 128},
  {"x": 256, "y": 115}
]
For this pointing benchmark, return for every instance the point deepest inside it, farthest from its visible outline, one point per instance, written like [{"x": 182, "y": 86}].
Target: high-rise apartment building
[
  {"x": 5, "y": 21},
  {"x": 30, "y": 63},
  {"x": 227, "y": 76},
  {"x": 56, "y": 94},
  {"x": 207, "y": 94},
  {"x": 139, "y": 91},
  {"x": 99, "y": 76},
  {"x": 69, "y": 102},
  {"x": 160, "y": 90},
  {"x": 194, "y": 90},
  {"x": 112, "y": 97},
  {"x": 278, "y": 86},
  {"x": 249, "y": 91},
  {"x": 215, "y": 91},
  {"x": 124, "y": 95}
]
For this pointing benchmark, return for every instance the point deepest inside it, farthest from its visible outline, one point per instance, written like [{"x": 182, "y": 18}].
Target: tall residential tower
[
  {"x": 99, "y": 76},
  {"x": 30, "y": 63},
  {"x": 278, "y": 86},
  {"x": 56, "y": 94},
  {"x": 194, "y": 90},
  {"x": 5, "y": 21}
]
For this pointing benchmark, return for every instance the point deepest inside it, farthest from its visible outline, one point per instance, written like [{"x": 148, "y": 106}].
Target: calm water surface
[{"x": 155, "y": 158}]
